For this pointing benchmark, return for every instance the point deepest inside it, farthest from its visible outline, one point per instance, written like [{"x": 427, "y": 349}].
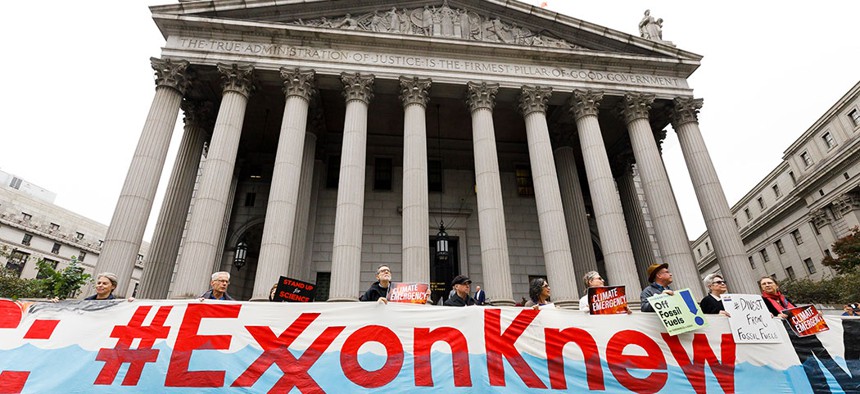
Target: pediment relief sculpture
[{"x": 442, "y": 21}]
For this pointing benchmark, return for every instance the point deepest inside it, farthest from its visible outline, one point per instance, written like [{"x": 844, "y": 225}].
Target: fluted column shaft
[
  {"x": 301, "y": 233},
  {"x": 553, "y": 229},
  {"x": 728, "y": 247},
  {"x": 617, "y": 253},
  {"x": 318, "y": 174},
  {"x": 125, "y": 234},
  {"x": 416, "y": 249},
  {"x": 349, "y": 215},
  {"x": 643, "y": 253},
  {"x": 495, "y": 263},
  {"x": 671, "y": 237},
  {"x": 575, "y": 215},
  {"x": 158, "y": 268},
  {"x": 200, "y": 253},
  {"x": 277, "y": 240}
]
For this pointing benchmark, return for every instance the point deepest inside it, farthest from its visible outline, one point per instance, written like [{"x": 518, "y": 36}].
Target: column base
[
  {"x": 502, "y": 303},
  {"x": 567, "y": 304}
]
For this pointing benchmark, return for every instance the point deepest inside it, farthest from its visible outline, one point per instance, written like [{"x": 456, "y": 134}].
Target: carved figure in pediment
[
  {"x": 446, "y": 20},
  {"x": 393, "y": 20},
  {"x": 377, "y": 23},
  {"x": 346, "y": 23}
]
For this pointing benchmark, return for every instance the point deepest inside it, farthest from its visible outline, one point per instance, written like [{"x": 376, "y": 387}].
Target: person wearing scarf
[{"x": 773, "y": 299}]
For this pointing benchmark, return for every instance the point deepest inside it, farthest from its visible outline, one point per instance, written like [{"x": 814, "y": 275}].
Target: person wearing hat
[
  {"x": 462, "y": 287},
  {"x": 660, "y": 278}
]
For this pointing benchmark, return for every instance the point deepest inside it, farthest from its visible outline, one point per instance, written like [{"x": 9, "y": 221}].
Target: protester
[
  {"x": 660, "y": 278},
  {"x": 522, "y": 302},
  {"x": 379, "y": 289},
  {"x": 480, "y": 297},
  {"x": 539, "y": 293},
  {"x": 461, "y": 297},
  {"x": 850, "y": 310},
  {"x": 592, "y": 279},
  {"x": 106, "y": 283},
  {"x": 712, "y": 304},
  {"x": 272, "y": 292},
  {"x": 775, "y": 301},
  {"x": 218, "y": 287}
]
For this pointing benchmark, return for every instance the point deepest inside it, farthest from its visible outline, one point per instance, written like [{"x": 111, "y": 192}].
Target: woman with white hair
[
  {"x": 712, "y": 304},
  {"x": 105, "y": 285}
]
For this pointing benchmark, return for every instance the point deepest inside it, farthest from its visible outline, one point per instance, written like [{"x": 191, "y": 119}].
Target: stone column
[
  {"x": 643, "y": 253},
  {"x": 617, "y": 252},
  {"x": 728, "y": 247},
  {"x": 575, "y": 215},
  {"x": 125, "y": 234},
  {"x": 349, "y": 216},
  {"x": 277, "y": 241},
  {"x": 200, "y": 252},
  {"x": 495, "y": 264},
  {"x": 553, "y": 229},
  {"x": 318, "y": 177},
  {"x": 301, "y": 234},
  {"x": 416, "y": 249},
  {"x": 671, "y": 237},
  {"x": 158, "y": 269}
]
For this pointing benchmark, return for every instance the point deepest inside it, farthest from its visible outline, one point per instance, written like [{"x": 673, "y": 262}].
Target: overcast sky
[{"x": 79, "y": 86}]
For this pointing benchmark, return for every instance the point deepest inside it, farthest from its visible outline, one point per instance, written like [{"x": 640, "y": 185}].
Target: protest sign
[
  {"x": 805, "y": 320},
  {"x": 292, "y": 290},
  {"x": 408, "y": 292},
  {"x": 750, "y": 320},
  {"x": 607, "y": 300},
  {"x": 679, "y": 312}
]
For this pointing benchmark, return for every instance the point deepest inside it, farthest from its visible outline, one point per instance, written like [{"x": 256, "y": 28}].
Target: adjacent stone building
[
  {"x": 347, "y": 134},
  {"x": 790, "y": 219}
]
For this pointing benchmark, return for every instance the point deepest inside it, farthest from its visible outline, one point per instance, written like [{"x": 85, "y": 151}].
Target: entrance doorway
[{"x": 443, "y": 272}]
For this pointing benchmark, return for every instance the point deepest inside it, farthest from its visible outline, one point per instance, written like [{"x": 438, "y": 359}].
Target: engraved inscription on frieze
[{"x": 442, "y": 21}]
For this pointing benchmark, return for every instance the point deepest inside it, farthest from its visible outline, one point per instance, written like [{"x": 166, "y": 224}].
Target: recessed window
[
  {"x": 828, "y": 140},
  {"x": 815, "y": 228},
  {"x": 736, "y": 223},
  {"x": 810, "y": 266},
  {"x": 434, "y": 176},
  {"x": 747, "y": 213},
  {"x": 798, "y": 239},
  {"x": 760, "y": 201},
  {"x": 700, "y": 252},
  {"x": 708, "y": 246},
  {"x": 855, "y": 117},
  {"x": 82, "y": 256},
  {"x": 250, "y": 199},
  {"x": 383, "y": 173},
  {"x": 139, "y": 258},
  {"x": 821, "y": 192},
  {"x": 764, "y": 256},
  {"x": 752, "y": 262},
  {"x": 776, "y": 191},
  {"x": 793, "y": 178},
  {"x": 827, "y": 253},
  {"x": 845, "y": 175},
  {"x": 332, "y": 173},
  {"x": 16, "y": 262},
  {"x": 101, "y": 242},
  {"x": 779, "y": 246},
  {"x": 27, "y": 239},
  {"x": 525, "y": 187},
  {"x": 26, "y": 216},
  {"x": 79, "y": 236},
  {"x": 56, "y": 248},
  {"x": 790, "y": 272},
  {"x": 807, "y": 159},
  {"x": 16, "y": 183},
  {"x": 54, "y": 227}
]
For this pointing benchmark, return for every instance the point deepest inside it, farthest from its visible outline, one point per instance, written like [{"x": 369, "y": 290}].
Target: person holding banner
[
  {"x": 773, "y": 299},
  {"x": 379, "y": 289},
  {"x": 105, "y": 285},
  {"x": 660, "y": 278},
  {"x": 218, "y": 287},
  {"x": 461, "y": 297},
  {"x": 592, "y": 279},
  {"x": 539, "y": 293},
  {"x": 712, "y": 304}
]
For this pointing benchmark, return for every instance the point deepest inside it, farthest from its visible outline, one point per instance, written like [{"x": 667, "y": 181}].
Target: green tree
[
  {"x": 847, "y": 250},
  {"x": 62, "y": 284}
]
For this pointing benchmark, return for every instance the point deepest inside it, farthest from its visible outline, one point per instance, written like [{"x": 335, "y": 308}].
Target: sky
[{"x": 79, "y": 87}]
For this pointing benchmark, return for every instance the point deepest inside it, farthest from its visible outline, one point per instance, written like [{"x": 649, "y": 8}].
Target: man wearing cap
[
  {"x": 462, "y": 287},
  {"x": 660, "y": 278}
]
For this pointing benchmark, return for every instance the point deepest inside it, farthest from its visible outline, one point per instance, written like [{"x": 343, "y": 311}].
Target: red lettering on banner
[
  {"x": 393, "y": 363},
  {"x": 619, "y": 363},
  {"x": 13, "y": 381},
  {"x": 424, "y": 340},
  {"x": 723, "y": 371},
  {"x": 187, "y": 341},
  {"x": 10, "y": 314},
  {"x": 501, "y": 344},
  {"x": 276, "y": 350},
  {"x": 123, "y": 353},
  {"x": 556, "y": 340},
  {"x": 41, "y": 329}
]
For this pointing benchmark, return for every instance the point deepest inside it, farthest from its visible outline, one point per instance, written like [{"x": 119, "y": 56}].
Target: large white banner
[{"x": 211, "y": 346}]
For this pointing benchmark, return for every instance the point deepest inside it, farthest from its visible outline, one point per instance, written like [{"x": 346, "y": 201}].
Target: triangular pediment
[{"x": 507, "y": 23}]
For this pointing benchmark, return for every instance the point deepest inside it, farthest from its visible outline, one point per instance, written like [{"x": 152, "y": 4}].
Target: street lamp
[
  {"x": 241, "y": 253},
  {"x": 442, "y": 243}
]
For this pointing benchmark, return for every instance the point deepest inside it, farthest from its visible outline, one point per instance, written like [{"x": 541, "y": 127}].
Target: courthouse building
[
  {"x": 341, "y": 135},
  {"x": 790, "y": 219}
]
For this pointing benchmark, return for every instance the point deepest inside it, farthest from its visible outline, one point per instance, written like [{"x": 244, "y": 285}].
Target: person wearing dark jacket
[
  {"x": 712, "y": 304},
  {"x": 218, "y": 287},
  {"x": 462, "y": 286},
  {"x": 378, "y": 291},
  {"x": 773, "y": 299}
]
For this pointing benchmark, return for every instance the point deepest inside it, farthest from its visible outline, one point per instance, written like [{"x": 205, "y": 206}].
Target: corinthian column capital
[
  {"x": 534, "y": 99},
  {"x": 198, "y": 113},
  {"x": 171, "y": 73},
  {"x": 685, "y": 110},
  {"x": 298, "y": 83},
  {"x": 585, "y": 103},
  {"x": 636, "y": 106},
  {"x": 481, "y": 95},
  {"x": 357, "y": 87},
  {"x": 238, "y": 78},
  {"x": 414, "y": 91}
]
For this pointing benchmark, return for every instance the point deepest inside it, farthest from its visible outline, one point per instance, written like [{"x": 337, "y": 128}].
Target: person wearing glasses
[
  {"x": 539, "y": 293},
  {"x": 712, "y": 304},
  {"x": 218, "y": 290},
  {"x": 379, "y": 289}
]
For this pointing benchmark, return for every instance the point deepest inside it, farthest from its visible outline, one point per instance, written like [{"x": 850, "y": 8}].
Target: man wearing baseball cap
[
  {"x": 660, "y": 278},
  {"x": 462, "y": 289}
]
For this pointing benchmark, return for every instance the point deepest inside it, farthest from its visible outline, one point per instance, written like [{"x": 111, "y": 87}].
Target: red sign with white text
[
  {"x": 805, "y": 320},
  {"x": 607, "y": 300},
  {"x": 410, "y": 293}
]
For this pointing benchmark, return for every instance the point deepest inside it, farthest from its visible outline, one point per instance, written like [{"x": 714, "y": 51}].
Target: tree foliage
[
  {"x": 847, "y": 250},
  {"x": 840, "y": 289},
  {"x": 50, "y": 283}
]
